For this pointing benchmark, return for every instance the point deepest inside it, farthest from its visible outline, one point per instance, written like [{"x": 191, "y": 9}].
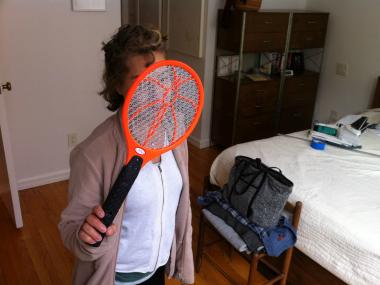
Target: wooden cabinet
[
  {"x": 302, "y": 40},
  {"x": 309, "y": 30},
  {"x": 258, "y": 98},
  {"x": 254, "y": 128},
  {"x": 295, "y": 119},
  {"x": 298, "y": 101},
  {"x": 263, "y": 32},
  {"x": 245, "y": 110},
  {"x": 256, "y": 104},
  {"x": 306, "y": 22},
  {"x": 300, "y": 90},
  {"x": 267, "y": 22},
  {"x": 264, "y": 42}
]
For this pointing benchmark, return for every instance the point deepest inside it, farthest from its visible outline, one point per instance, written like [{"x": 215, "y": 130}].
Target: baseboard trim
[
  {"x": 44, "y": 179},
  {"x": 199, "y": 143},
  {"x": 39, "y": 180}
]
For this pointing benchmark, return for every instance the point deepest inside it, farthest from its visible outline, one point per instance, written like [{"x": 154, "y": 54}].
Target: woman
[{"x": 152, "y": 232}]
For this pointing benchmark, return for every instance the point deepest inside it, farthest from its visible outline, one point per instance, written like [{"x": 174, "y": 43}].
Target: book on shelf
[{"x": 258, "y": 77}]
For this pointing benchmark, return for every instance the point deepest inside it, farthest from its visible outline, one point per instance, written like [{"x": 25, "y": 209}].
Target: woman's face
[{"x": 136, "y": 65}]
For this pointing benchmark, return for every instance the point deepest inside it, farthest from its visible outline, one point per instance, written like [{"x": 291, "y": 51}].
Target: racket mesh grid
[{"x": 163, "y": 107}]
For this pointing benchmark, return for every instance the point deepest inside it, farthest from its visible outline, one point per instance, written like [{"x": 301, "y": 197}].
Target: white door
[{"x": 8, "y": 188}]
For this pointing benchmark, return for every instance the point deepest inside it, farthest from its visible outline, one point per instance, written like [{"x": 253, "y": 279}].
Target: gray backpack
[{"x": 257, "y": 191}]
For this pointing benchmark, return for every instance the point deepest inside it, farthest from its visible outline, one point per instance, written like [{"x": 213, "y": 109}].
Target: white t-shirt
[{"x": 148, "y": 224}]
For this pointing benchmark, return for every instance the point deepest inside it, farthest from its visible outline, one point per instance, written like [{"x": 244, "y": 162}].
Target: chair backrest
[{"x": 295, "y": 209}]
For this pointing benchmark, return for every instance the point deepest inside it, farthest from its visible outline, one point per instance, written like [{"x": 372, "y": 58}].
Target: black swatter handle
[{"x": 119, "y": 192}]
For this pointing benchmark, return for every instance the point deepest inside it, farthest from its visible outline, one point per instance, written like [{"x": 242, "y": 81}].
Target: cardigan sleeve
[
  {"x": 184, "y": 264},
  {"x": 84, "y": 193}
]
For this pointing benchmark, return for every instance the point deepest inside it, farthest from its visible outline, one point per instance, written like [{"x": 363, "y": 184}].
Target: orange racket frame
[{"x": 133, "y": 148}]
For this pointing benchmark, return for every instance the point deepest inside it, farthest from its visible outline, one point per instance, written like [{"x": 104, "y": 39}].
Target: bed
[{"x": 340, "y": 191}]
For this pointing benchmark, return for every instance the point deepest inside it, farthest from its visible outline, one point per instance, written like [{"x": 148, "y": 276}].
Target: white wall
[
  {"x": 353, "y": 37},
  {"x": 53, "y": 58},
  {"x": 284, "y": 4}
]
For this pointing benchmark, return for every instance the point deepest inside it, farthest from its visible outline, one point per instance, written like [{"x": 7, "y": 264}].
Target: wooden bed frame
[{"x": 376, "y": 98}]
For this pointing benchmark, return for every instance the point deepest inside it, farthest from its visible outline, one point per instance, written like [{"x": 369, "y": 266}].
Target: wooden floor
[{"x": 35, "y": 254}]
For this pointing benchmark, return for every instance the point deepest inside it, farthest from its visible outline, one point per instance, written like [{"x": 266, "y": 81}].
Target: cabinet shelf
[
  {"x": 248, "y": 110},
  {"x": 246, "y": 81}
]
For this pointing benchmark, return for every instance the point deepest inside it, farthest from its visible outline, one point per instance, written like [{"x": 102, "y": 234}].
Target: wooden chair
[{"x": 254, "y": 259}]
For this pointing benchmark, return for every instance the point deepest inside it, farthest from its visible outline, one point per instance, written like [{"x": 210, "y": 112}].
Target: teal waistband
[{"x": 130, "y": 276}]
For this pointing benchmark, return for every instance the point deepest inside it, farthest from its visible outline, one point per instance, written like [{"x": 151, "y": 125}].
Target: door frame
[{"x": 10, "y": 163}]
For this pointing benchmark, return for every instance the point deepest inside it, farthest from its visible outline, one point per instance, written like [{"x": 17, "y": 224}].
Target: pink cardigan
[{"x": 95, "y": 165}]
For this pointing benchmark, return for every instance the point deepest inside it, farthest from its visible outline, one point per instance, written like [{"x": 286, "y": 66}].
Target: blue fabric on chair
[
  {"x": 275, "y": 239},
  {"x": 226, "y": 231}
]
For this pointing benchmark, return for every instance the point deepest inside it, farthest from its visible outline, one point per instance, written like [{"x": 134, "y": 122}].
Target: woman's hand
[{"x": 89, "y": 232}]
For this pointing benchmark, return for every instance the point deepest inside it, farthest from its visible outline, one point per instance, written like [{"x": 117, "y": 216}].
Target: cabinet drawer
[
  {"x": 310, "y": 22},
  {"x": 257, "y": 98},
  {"x": 296, "y": 119},
  {"x": 267, "y": 22},
  {"x": 300, "y": 91},
  {"x": 223, "y": 112},
  {"x": 304, "y": 40},
  {"x": 228, "y": 38},
  {"x": 264, "y": 42},
  {"x": 222, "y": 128},
  {"x": 224, "y": 96},
  {"x": 254, "y": 128}
]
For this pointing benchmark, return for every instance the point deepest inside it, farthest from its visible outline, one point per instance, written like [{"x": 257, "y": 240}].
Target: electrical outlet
[
  {"x": 72, "y": 140},
  {"x": 342, "y": 69}
]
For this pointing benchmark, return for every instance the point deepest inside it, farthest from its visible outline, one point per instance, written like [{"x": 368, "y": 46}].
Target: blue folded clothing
[{"x": 275, "y": 239}]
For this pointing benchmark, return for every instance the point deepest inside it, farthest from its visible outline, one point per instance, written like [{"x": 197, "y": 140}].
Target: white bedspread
[{"x": 340, "y": 191}]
